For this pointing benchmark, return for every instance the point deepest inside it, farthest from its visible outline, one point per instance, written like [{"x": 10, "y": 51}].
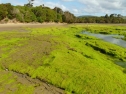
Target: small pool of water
[{"x": 108, "y": 38}]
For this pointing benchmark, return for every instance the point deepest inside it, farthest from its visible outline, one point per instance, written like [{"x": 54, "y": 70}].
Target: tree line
[
  {"x": 29, "y": 13},
  {"x": 112, "y": 18}
]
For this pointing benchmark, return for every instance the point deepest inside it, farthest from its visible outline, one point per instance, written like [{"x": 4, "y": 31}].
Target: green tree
[
  {"x": 3, "y": 11},
  {"x": 40, "y": 13},
  {"x": 106, "y": 16},
  {"x": 30, "y": 3},
  {"x": 68, "y": 17},
  {"x": 29, "y": 16},
  {"x": 50, "y": 15},
  {"x": 6, "y": 11},
  {"x": 111, "y": 15},
  {"x": 58, "y": 10}
]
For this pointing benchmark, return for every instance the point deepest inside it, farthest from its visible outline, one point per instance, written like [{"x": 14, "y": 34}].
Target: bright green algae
[{"x": 78, "y": 63}]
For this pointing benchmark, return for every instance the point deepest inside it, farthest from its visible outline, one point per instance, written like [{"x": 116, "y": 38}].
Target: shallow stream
[{"x": 109, "y": 38}]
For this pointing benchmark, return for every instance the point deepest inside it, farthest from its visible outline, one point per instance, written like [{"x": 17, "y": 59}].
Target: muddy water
[{"x": 108, "y": 38}]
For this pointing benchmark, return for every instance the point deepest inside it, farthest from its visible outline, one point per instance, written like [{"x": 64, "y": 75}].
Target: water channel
[{"x": 111, "y": 39}]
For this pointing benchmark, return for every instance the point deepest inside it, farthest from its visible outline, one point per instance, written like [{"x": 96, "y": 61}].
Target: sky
[{"x": 80, "y": 7}]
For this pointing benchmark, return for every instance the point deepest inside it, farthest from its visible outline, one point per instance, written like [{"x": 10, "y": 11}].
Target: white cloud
[
  {"x": 38, "y": 2},
  {"x": 80, "y": 7},
  {"x": 50, "y": 4},
  {"x": 103, "y": 6},
  {"x": 75, "y": 10}
]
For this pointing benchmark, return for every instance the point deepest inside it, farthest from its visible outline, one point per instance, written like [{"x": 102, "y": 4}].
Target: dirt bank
[
  {"x": 40, "y": 87},
  {"x": 19, "y": 26}
]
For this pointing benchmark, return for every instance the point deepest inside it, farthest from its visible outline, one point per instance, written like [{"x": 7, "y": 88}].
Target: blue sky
[{"x": 80, "y": 7}]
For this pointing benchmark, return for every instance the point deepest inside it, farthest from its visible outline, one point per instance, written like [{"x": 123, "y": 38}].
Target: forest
[{"x": 29, "y": 13}]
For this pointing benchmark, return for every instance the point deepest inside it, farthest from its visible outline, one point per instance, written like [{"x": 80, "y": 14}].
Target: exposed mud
[
  {"x": 44, "y": 47},
  {"x": 20, "y": 27},
  {"x": 39, "y": 86}
]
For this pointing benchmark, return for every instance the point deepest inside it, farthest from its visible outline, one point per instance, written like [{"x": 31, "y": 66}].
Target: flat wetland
[{"x": 60, "y": 59}]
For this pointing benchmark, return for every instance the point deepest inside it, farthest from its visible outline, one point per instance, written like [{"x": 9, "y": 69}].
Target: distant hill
[{"x": 86, "y": 16}]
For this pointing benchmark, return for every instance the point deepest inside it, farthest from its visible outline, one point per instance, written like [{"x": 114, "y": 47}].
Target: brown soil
[
  {"x": 20, "y": 26},
  {"x": 40, "y": 87},
  {"x": 30, "y": 50},
  {"x": 36, "y": 47}
]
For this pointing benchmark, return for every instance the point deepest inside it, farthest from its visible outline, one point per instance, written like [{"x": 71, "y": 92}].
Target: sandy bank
[{"x": 16, "y": 26}]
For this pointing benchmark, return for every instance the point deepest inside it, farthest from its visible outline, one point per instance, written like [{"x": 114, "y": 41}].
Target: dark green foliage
[
  {"x": 39, "y": 19},
  {"x": 29, "y": 16},
  {"x": 113, "y": 18},
  {"x": 6, "y": 11},
  {"x": 28, "y": 13},
  {"x": 124, "y": 70},
  {"x": 78, "y": 36},
  {"x": 68, "y": 17},
  {"x": 50, "y": 15},
  {"x": 30, "y": 3},
  {"x": 40, "y": 13},
  {"x": 58, "y": 10},
  {"x": 19, "y": 18},
  {"x": 58, "y": 18}
]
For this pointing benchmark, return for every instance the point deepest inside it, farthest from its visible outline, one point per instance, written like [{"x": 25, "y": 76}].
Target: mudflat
[{"x": 19, "y": 26}]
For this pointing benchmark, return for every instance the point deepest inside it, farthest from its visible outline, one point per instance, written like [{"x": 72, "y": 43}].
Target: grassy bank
[
  {"x": 106, "y": 29},
  {"x": 63, "y": 57}
]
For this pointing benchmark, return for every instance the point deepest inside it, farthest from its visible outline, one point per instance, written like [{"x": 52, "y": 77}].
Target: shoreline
[
  {"x": 18, "y": 26},
  {"x": 22, "y": 24}
]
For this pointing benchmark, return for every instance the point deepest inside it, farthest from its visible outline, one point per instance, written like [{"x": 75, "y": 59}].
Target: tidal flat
[{"x": 64, "y": 58}]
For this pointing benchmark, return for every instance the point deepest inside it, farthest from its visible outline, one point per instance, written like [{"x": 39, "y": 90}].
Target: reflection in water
[{"x": 109, "y": 38}]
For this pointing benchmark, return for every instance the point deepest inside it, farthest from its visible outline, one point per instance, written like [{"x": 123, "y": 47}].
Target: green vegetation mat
[{"x": 65, "y": 58}]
